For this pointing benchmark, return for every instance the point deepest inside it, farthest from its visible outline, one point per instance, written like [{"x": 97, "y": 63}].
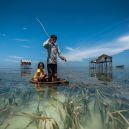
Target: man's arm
[
  {"x": 46, "y": 44},
  {"x": 60, "y": 54}
]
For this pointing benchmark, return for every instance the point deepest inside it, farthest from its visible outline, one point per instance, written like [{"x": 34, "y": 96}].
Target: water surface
[{"x": 92, "y": 100}]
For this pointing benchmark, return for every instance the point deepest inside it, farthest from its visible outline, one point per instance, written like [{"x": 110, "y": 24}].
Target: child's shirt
[{"x": 37, "y": 72}]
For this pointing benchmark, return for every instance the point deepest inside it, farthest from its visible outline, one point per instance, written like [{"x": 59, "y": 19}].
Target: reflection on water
[
  {"x": 101, "y": 74},
  {"x": 86, "y": 103},
  {"x": 25, "y": 72}
]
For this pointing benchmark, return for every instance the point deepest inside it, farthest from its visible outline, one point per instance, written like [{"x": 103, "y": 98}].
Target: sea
[{"x": 93, "y": 99}]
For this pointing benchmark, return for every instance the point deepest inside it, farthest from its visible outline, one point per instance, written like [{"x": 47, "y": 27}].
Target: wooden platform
[{"x": 59, "y": 81}]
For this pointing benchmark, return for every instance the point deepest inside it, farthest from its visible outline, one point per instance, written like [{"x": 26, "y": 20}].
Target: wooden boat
[
  {"x": 120, "y": 66},
  {"x": 58, "y": 81}
]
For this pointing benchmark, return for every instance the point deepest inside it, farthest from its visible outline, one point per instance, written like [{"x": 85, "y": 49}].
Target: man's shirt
[{"x": 53, "y": 51}]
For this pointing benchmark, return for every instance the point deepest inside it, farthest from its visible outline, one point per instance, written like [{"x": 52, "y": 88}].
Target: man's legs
[
  {"x": 52, "y": 72},
  {"x": 49, "y": 69}
]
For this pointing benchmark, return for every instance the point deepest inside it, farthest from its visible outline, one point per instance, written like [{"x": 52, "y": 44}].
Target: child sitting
[{"x": 40, "y": 75}]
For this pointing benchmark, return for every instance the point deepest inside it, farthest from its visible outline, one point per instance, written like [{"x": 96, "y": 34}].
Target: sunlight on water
[{"x": 90, "y": 101}]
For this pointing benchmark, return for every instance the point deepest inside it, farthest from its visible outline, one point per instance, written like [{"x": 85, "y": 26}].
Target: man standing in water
[{"x": 53, "y": 51}]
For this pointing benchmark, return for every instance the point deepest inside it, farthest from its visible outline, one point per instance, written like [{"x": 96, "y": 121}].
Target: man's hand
[
  {"x": 52, "y": 40},
  {"x": 64, "y": 59}
]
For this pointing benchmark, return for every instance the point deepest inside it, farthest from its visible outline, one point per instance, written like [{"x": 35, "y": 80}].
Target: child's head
[{"x": 40, "y": 65}]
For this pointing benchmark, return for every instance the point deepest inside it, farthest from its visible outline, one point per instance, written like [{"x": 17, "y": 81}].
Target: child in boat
[{"x": 40, "y": 75}]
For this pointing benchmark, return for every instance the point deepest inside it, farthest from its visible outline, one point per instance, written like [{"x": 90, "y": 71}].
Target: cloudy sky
[{"x": 85, "y": 29}]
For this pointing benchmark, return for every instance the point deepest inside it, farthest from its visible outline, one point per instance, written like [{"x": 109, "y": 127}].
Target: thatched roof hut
[
  {"x": 104, "y": 58},
  {"x": 102, "y": 61},
  {"x": 25, "y": 62}
]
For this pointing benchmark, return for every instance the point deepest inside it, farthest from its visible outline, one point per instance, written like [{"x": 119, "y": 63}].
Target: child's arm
[{"x": 43, "y": 74}]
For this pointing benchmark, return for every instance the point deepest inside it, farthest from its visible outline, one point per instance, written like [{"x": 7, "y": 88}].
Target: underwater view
[{"x": 91, "y": 100}]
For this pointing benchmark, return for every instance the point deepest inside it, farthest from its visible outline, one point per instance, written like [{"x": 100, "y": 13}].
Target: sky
[{"x": 85, "y": 30}]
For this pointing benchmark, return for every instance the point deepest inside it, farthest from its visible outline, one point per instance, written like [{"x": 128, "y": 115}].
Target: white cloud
[
  {"x": 70, "y": 49},
  {"x": 2, "y": 35},
  {"x": 16, "y": 57},
  {"x": 123, "y": 39},
  {"x": 24, "y": 28},
  {"x": 111, "y": 48},
  {"x": 22, "y": 40},
  {"x": 25, "y": 46},
  {"x": 11, "y": 60}
]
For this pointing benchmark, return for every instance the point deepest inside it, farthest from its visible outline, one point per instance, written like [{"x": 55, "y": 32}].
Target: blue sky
[{"x": 85, "y": 29}]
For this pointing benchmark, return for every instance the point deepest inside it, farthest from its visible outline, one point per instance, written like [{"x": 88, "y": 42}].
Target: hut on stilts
[
  {"x": 101, "y": 66},
  {"x": 25, "y": 64},
  {"x": 25, "y": 67}
]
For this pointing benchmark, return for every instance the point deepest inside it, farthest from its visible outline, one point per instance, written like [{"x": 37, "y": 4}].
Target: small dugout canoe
[{"x": 59, "y": 81}]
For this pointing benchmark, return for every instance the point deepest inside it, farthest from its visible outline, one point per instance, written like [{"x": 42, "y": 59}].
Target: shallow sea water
[{"x": 92, "y": 100}]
